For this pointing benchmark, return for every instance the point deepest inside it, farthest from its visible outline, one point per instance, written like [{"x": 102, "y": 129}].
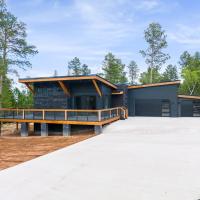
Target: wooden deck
[{"x": 63, "y": 116}]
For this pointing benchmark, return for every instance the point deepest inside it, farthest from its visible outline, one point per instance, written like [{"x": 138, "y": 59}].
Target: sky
[{"x": 89, "y": 29}]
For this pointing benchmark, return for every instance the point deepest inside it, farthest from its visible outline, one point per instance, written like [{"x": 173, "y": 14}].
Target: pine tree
[
  {"x": 74, "y": 67},
  {"x": 114, "y": 69},
  {"x": 85, "y": 70},
  {"x": 133, "y": 72},
  {"x": 170, "y": 73},
  {"x": 14, "y": 49}
]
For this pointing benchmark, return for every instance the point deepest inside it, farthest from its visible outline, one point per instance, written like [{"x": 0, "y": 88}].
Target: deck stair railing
[{"x": 63, "y": 114}]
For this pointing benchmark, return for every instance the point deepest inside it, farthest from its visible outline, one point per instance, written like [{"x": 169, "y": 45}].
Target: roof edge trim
[{"x": 154, "y": 85}]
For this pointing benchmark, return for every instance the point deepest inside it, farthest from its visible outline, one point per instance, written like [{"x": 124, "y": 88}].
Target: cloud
[
  {"x": 148, "y": 4},
  {"x": 187, "y": 35}
]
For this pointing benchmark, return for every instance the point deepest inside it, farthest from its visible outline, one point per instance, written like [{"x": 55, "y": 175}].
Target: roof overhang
[
  {"x": 154, "y": 85},
  {"x": 189, "y": 97},
  {"x": 67, "y": 78}
]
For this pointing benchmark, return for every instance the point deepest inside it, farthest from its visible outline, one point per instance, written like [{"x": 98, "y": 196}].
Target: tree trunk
[{"x": 151, "y": 75}]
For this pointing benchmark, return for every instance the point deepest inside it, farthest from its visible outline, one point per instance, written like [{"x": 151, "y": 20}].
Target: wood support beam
[
  {"x": 65, "y": 89},
  {"x": 97, "y": 87},
  {"x": 29, "y": 87}
]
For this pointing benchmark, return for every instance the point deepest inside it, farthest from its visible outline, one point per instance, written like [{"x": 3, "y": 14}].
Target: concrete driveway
[{"x": 135, "y": 159}]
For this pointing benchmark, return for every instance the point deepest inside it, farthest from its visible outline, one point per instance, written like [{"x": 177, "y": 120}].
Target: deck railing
[{"x": 62, "y": 114}]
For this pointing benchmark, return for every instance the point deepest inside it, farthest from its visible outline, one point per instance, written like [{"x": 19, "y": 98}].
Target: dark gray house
[{"x": 64, "y": 102}]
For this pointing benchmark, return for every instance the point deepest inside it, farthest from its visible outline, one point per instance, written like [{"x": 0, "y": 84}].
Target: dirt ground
[{"x": 15, "y": 149}]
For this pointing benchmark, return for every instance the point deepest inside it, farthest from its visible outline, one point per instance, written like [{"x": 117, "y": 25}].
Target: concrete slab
[{"x": 139, "y": 158}]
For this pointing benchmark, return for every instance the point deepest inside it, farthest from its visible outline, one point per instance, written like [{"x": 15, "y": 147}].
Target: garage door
[
  {"x": 152, "y": 107},
  {"x": 187, "y": 108}
]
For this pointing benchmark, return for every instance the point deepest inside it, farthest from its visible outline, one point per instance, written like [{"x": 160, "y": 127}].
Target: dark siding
[
  {"x": 148, "y": 100},
  {"x": 50, "y": 94},
  {"x": 122, "y": 99}
]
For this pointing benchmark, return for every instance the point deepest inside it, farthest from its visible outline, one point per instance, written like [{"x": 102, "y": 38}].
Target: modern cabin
[{"x": 64, "y": 102}]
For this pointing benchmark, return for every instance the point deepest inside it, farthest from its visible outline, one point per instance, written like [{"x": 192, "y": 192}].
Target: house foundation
[
  {"x": 98, "y": 129},
  {"x": 24, "y": 129},
  {"x": 44, "y": 129},
  {"x": 66, "y": 130}
]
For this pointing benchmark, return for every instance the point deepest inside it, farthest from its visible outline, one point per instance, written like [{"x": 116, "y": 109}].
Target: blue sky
[{"x": 88, "y": 29}]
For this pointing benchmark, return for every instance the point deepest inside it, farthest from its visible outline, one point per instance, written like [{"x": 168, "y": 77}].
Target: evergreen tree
[
  {"x": 85, "y": 70},
  {"x": 23, "y": 98},
  {"x": 74, "y": 67},
  {"x": 8, "y": 100},
  {"x": 150, "y": 74},
  {"x": 114, "y": 69},
  {"x": 14, "y": 49},
  {"x": 154, "y": 55},
  {"x": 184, "y": 59},
  {"x": 133, "y": 72},
  {"x": 170, "y": 73}
]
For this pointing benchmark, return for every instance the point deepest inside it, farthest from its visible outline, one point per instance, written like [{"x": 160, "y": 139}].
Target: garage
[{"x": 154, "y": 100}]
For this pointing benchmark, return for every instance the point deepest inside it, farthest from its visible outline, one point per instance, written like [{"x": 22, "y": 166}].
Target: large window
[{"x": 85, "y": 102}]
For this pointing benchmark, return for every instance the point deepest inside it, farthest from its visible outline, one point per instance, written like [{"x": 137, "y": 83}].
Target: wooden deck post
[
  {"x": 23, "y": 114},
  {"x": 65, "y": 115},
  {"x": 99, "y": 115},
  {"x": 43, "y": 114}
]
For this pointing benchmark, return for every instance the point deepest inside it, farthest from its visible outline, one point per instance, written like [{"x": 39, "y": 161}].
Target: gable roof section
[
  {"x": 68, "y": 78},
  {"x": 154, "y": 85},
  {"x": 189, "y": 97}
]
